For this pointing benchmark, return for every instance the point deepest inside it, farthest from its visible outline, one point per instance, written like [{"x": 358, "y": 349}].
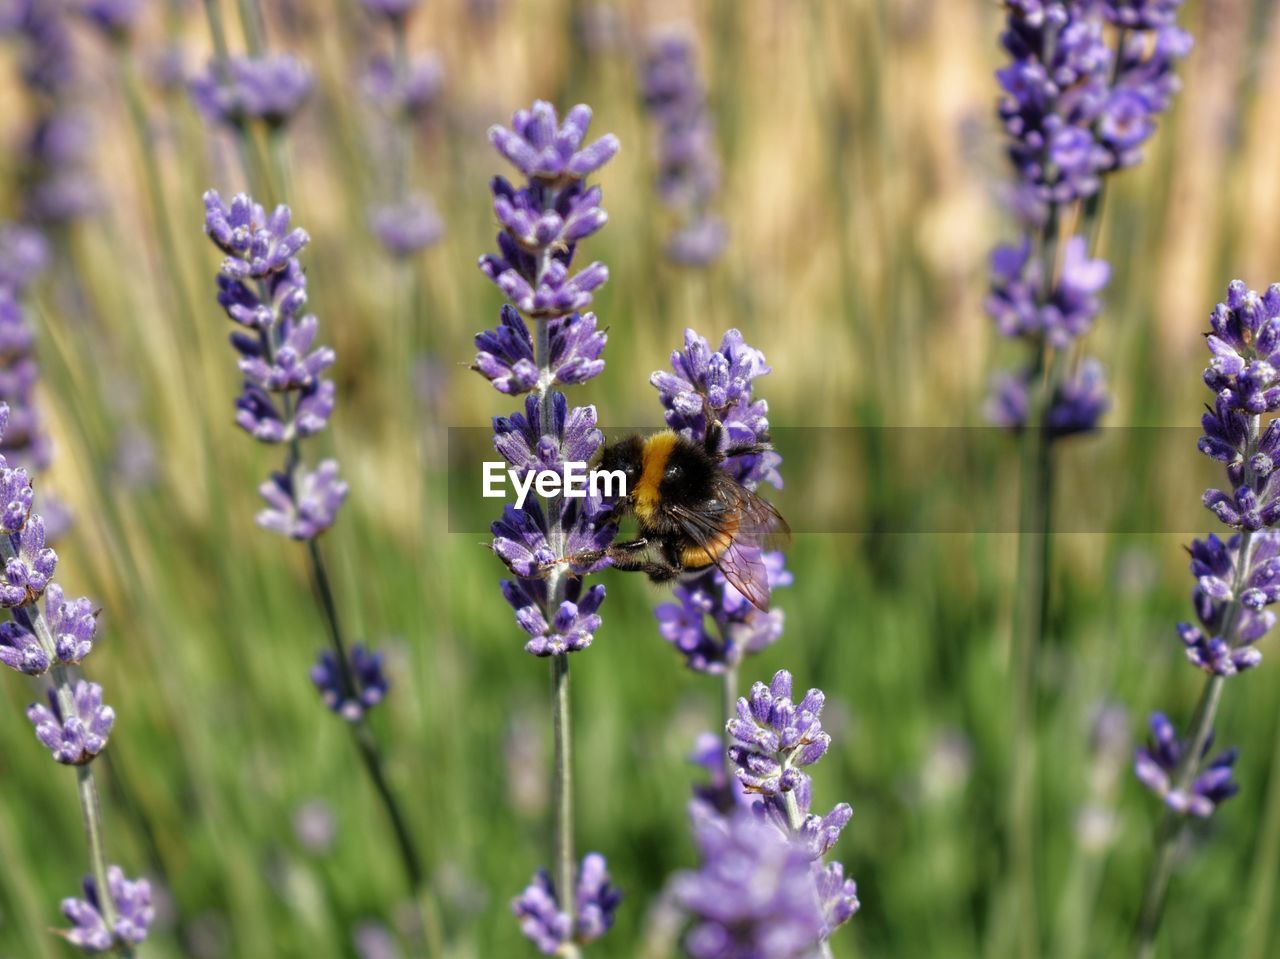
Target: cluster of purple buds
[
  {"x": 285, "y": 397},
  {"x": 543, "y": 341},
  {"x": 271, "y": 89},
  {"x": 1072, "y": 108},
  {"x": 549, "y": 928},
  {"x": 367, "y": 675},
  {"x": 75, "y": 724},
  {"x": 1158, "y": 764},
  {"x": 1074, "y": 111},
  {"x": 763, "y": 887},
  {"x": 1237, "y": 578},
  {"x": 543, "y": 221},
  {"x": 711, "y": 624},
  {"x": 133, "y": 911},
  {"x": 685, "y": 153},
  {"x": 55, "y": 188}
]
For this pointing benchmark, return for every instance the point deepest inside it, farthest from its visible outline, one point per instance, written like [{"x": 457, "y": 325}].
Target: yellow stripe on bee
[{"x": 657, "y": 450}]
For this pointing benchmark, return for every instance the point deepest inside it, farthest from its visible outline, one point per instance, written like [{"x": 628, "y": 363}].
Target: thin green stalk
[
  {"x": 1266, "y": 865},
  {"x": 402, "y": 153},
  {"x": 249, "y": 166},
  {"x": 251, "y": 24},
  {"x": 563, "y": 785},
  {"x": 1032, "y": 591},
  {"x": 728, "y": 700}
]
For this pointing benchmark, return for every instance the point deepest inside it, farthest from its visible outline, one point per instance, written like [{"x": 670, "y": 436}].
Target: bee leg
[
  {"x": 657, "y": 570},
  {"x": 715, "y": 436},
  {"x": 588, "y": 557}
]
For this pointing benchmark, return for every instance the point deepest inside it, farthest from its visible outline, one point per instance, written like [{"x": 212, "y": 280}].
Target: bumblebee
[{"x": 691, "y": 513}]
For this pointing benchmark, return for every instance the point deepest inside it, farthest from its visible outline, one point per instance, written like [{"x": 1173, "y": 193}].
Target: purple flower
[
  {"x": 1157, "y": 765},
  {"x": 1078, "y": 403},
  {"x": 407, "y": 226},
  {"x": 73, "y": 625},
  {"x": 258, "y": 414},
  {"x": 364, "y": 671},
  {"x": 542, "y": 289},
  {"x": 74, "y": 738},
  {"x": 291, "y": 363},
  {"x": 1018, "y": 306},
  {"x": 521, "y": 541},
  {"x": 545, "y": 150},
  {"x": 720, "y": 382},
  {"x": 27, "y": 574},
  {"x": 755, "y": 893},
  {"x": 711, "y": 624},
  {"x": 506, "y": 352},
  {"x": 303, "y": 505},
  {"x": 530, "y": 444},
  {"x": 256, "y": 244},
  {"x": 132, "y": 900},
  {"x": 412, "y": 95},
  {"x": 572, "y": 627},
  {"x": 548, "y": 928},
  {"x": 773, "y": 738},
  {"x": 21, "y": 651},
  {"x": 24, "y": 255},
  {"x": 271, "y": 88},
  {"x": 688, "y": 166},
  {"x": 1214, "y": 564}
]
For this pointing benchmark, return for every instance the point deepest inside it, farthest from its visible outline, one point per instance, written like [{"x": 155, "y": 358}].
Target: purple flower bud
[
  {"x": 529, "y": 444},
  {"x": 75, "y": 738},
  {"x": 1141, "y": 14},
  {"x": 573, "y": 625},
  {"x": 27, "y": 575},
  {"x": 1156, "y": 766},
  {"x": 133, "y": 908},
  {"x": 545, "y": 150},
  {"x": 548, "y": 928},
  {"x": 414, "y": 94},
  {"x": 773, "y": 737},
  {"x": 365, "y": 669},
  {"x": 256, "y": 244},
  {"x": 754, "y": 894},
  {"x": 24, "y": 255},
  {"x": 271, "y": 88},
  {"x": 406, "y": 227},
  {"x": 305, "y": 509}
]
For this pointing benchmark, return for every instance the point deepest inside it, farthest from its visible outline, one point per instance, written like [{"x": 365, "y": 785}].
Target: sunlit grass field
[{"x": 863, "y": 174}]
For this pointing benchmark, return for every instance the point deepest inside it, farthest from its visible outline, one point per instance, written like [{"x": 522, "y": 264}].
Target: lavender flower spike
[
  {"x": 78, "y": 731},
  {"x": 1237, "y": 578},
  {"x": 132, "y": 908},
  {"x": 774, "y": 738},
  {"x": 544, "y": 340}
]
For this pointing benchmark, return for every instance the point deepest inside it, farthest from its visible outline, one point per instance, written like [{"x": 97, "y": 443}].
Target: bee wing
[
  {"x": 751, "y": 524},
  {"x": 743, "y": 566}
]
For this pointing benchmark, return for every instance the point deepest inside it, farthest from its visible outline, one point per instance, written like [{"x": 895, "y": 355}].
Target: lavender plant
[
  {"x": 115, "y": 913},
  {"x": 688, "y": 166},
  {"x": 543, "y": 221},
  {"x": 711, "y": 624},
  {"x": 285, "y": 399},
  {"x": 405, "y": 88},
  {"x": 763, "y": 887},
  {"x": 1237, "y": 579},
  {"x": 1075, "y": 110}
]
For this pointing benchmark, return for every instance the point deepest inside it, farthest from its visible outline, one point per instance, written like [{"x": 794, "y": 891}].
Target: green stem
[
  {"x": 251, "y": 24},
  {"x": 563, "y": 786},
  {"x": 728, "y": 701},
  {"x": 402, "y": 153},
  {"x": 222, "y": 65}
]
